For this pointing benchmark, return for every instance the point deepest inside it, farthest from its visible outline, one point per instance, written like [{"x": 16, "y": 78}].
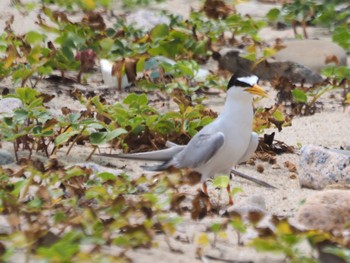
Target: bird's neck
[{"x": 237, "y": 105}]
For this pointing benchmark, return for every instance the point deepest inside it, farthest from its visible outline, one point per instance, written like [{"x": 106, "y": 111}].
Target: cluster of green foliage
[
  {"x": 133, "y": 122},
  {"x": 60, "y": 214}
]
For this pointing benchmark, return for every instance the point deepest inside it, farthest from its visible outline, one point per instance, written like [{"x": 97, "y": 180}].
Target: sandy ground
[{"x": 328, "y": 128}]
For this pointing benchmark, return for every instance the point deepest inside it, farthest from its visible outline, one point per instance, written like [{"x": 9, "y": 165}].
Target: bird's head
[{"x": 246, "y": 83}]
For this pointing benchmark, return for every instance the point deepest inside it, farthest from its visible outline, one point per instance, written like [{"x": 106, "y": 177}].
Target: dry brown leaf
[
  {"x": 14, "y": 219},
  {"x": 217, "y": 9},
  {"x": 43, "y": 193},
  {"x": 130, "y": 69},
  {"x": 200, "y": 206},
  {"x": 332, "y": 59},
  {"x": 117, "y": 70},
  {"x": 94, "y": 20}
]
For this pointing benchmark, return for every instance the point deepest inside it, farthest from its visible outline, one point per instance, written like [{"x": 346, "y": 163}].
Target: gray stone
[
  {"x": 231, "y": 60},
  {"x": 311, "y": 53},
  {"x": 7, "y": 105},
  {"x": 320, "y": 167},
  {"x": 6, "y": 158},
  {"x": 327, "y": 210}
]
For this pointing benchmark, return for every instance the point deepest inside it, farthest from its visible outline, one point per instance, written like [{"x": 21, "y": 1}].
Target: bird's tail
[{"x": 162, "y": 155}]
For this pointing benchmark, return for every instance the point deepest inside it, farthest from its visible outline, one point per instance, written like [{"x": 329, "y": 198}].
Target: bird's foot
[{"x": 230, "y": 199}]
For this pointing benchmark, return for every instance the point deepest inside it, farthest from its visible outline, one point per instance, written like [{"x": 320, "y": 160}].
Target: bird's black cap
[{"x": 236, "y": 80}]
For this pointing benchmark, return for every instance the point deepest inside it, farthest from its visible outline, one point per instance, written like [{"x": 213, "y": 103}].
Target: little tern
[{"x": 220, "y": 145}]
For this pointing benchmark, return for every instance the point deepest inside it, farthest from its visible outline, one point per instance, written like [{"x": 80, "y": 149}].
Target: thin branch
[{"x": 252, "y": 179}]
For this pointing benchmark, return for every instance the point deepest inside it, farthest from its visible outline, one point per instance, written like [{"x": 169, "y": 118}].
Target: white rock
[
  {"x": 8, "y": 105},
  {"x": 320, "y": 167},
  {"x": 312, "y": 53}
]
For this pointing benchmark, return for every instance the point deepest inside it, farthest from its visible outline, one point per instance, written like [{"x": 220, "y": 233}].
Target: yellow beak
[{"x": 257, "y": 90}]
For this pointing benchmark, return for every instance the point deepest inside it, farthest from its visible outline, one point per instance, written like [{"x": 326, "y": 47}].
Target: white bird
[{"x": 222, "y": 144}]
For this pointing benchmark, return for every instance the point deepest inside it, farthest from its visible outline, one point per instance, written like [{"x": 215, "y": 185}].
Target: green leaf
[
  {"x": 216, "y": 227},
  {"x": 273, "y": 14},
  {"x": 64, "y": 137},
  {"x": 97, "y": 137},
  {"x": 96, "y": 101},
  {"x": 266, "y": 245},
  {"x": 299, "y": 96},
  {"x": 250, "y": 56},
  {"x": 26, "y": 95},
  {"x": 341, "y": 35},
  {"x": 74, "y": 117},
  {"x": 105, "y": 176},
  {"x": 35, "y": 203},
  {"x": 21, "y": 115},
  {"x": 221, "y": 181},
  {"x": 107, "y": 44},
  {"x": 35, "y": 103},
  {"x": 238, "y": 225},
  {"x": 63, "y": 250},
  {"x": 115, "y": 133},
  {"x": 103, "y": 137},
  {"x": 278, "y": 115},
  {"x": 341, "y": 252},
  {"x": 130, "y": 99},
  {"x": 268, "y": 52},
  {"x": 347, "y": 98},
  {"x": 34, "y": 37},
  {"x": 142, "y": 99},
  {"x": 159, "y": 32},
  {"x": 18, "y": 186}
]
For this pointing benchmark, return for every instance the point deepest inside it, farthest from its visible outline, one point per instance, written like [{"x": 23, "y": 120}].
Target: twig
[
  {"x": 226, "y": 260},
  {"x": 90, "y": 155},
  {"x": 252, "y": 179}
]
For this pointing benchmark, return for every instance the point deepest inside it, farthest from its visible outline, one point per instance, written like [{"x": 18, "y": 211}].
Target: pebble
[
  {"x": 255, "y": 203},
  {"x": 276, "y": 166},
  {"x": 312, "y": 53},
  {"x": 6, "y": 158},
  {"x": 8, "y": 105},
  {"x": 327, "y": 210},
  {"x": 347, "y": 145},
  {"x": 320, "y": 167}
]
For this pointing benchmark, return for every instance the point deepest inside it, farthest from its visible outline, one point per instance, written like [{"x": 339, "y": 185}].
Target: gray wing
[
  {"x": 199, "y": 150},
  {"x": 253, "y": 144}
]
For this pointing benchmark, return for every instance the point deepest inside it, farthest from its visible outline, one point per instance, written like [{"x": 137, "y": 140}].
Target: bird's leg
[
  {"x": 205, "y": 188},
  {"x": 230, "y": 200},
  {"x": 205, "y": 191}
]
